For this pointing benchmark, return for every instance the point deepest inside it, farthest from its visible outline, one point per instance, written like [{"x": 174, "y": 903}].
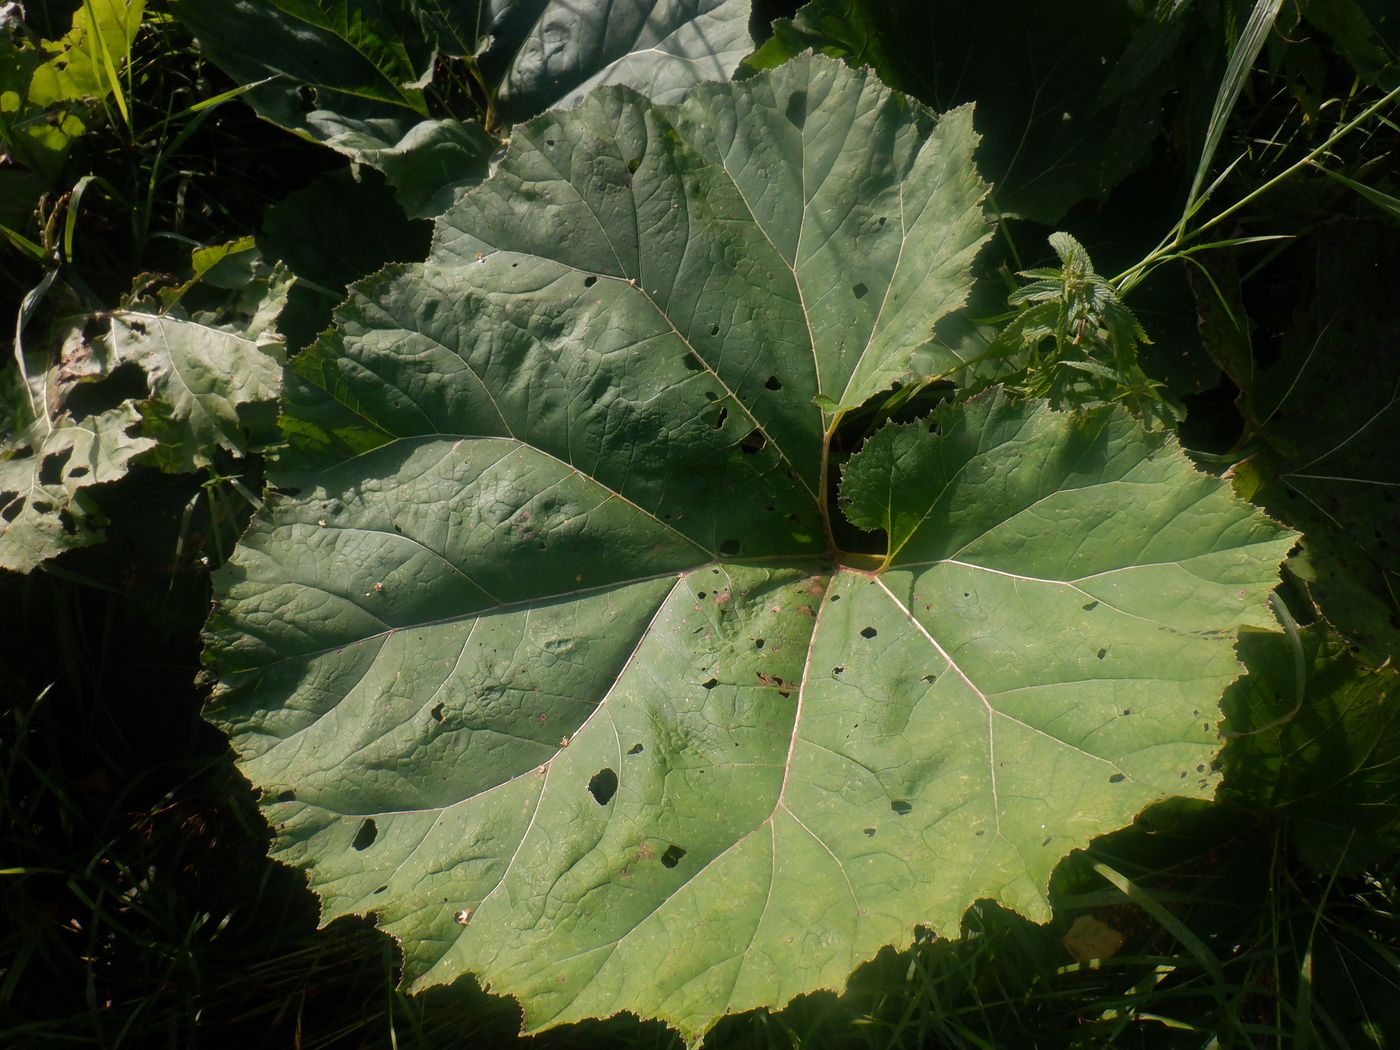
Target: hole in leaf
[
  {"x": 772, "y": 384},
  {"x": 901, "y": 807},
  {"x": 381, "y": 889},
  {"x": 1117, "y": 778},
  {"x": 868, "y": 632},
  {"x": 1046, "y": 841},
  {"x": 758, "y": 643},
  {"x": 51, "y": 469},
  {"x": 729, "y": 548},
  {"x": 882, "y": 220},
  {"x": 603, "y": 786},
  {"x": 81, "y": 471},
  {"x": 714, "y": 329},
  {"x": 1091, "y": 606},
  {"x": 796, "y": 111},
  {"x": 709, "y": 684},
  {"x": 694, "y": 364},
  {"x": 719, "y": 420},
  {"x": 859, "y": 290},
  {"x": 364, "y": 838},
  {"x": 590, "y": 281},
  {"x": 436, "y": 712},
  {"x": 1102, "y": 653},
  {"x": 672, "y": 856},
  {"x": 633, "y": 165},
  {"x": 930, "y": 678},
  {"x": 1127, "y": 710},
  {"x": 635, "y": 749},
  {"x": 753, "y": 442},
  {"x": 838, "y": 669},
  {"x": 12, "y": 508},
  {"x": 287, "y": 796},
  {"x": 549, "y": 142},
  {"x": 868, "y": 832}
]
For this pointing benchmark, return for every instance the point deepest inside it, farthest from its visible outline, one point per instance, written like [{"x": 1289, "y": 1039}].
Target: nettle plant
[{"x": 546, "y": 651}]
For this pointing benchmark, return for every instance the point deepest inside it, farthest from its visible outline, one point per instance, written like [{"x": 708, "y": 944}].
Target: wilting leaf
[
  {"x": 543, "y": 653},
  {"x": 209, "y": 387},
  {"x": 45, "y": 473}
]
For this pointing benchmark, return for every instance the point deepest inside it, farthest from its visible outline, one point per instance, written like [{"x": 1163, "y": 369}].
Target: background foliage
[{"x": 141, "y": 190}]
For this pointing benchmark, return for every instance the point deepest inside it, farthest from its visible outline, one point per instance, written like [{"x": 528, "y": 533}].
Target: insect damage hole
[
  {"x": 672, "y": 856},
  {"x": 868, "y": 632},
  {"x": 635, "y": 749},
  {"x": 364, "y": 838},
  {"x": 774, "y": 383},
  {"x": 603, "y": 786},
  {"x": 753, "y": 442},
  {"x": 901, "y": 806}
]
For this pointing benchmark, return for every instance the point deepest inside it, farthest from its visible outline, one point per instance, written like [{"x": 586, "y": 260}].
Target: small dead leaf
[{"x": 1090, "y": 939}]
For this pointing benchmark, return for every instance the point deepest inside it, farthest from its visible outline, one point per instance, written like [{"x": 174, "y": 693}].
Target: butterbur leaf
[
  {"x": 549, "y": 52},
  {"x": 46, "y": 472},
  {"x": 210, "y": 387},
  {"x": 543, "y": 654},
  {"x": 354, "y": 77}
]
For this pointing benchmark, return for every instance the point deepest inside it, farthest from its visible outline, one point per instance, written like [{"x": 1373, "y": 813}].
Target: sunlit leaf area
[{"x": 700, "y": 523}]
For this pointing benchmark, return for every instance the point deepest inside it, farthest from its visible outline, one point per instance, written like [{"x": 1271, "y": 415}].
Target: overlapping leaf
[
  {"x": 1317, "y": 737},
  {"x": 354, "y": 76},
  {"x": 544, "y": 654}
]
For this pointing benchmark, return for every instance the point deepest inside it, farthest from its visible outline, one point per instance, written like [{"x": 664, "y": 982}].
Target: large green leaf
[
  {"x": 353, "y": 76},
  {"x": 542, "y": 651}
]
